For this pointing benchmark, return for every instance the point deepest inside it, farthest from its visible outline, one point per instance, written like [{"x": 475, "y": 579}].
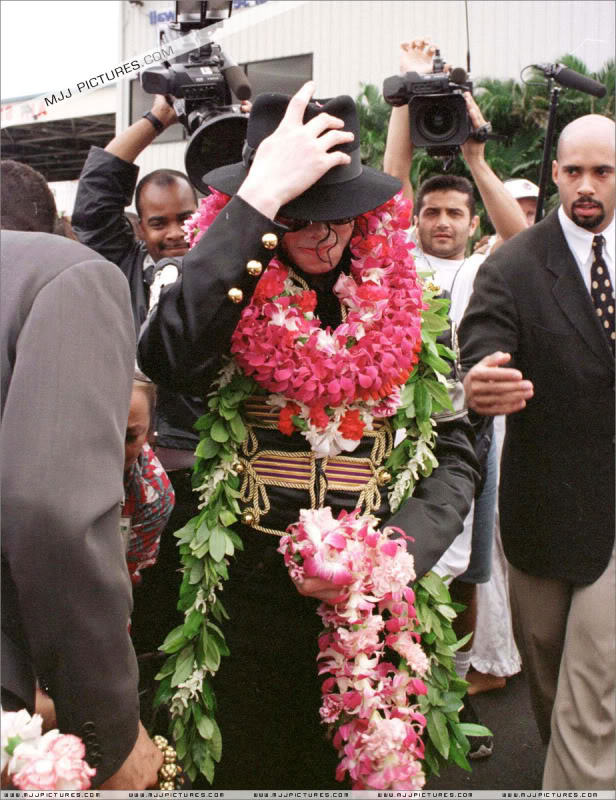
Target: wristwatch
[{"x": 158, "y": 125}]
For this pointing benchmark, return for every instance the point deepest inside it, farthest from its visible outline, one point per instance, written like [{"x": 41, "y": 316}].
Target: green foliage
[
  {"x": 425, "y": 393},
  {"x": 373, "y": 114},
  {"x": 446, "y": 742},
  {"x": 205, "y": 542}
]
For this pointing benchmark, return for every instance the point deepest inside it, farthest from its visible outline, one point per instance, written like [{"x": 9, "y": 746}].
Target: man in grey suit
[
  {"x": 67, "y": 352},
  {"x": 543, "y": 304}
]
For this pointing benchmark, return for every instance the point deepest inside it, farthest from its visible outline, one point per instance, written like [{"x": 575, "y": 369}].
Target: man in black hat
[{"x": 296, "y": 197}]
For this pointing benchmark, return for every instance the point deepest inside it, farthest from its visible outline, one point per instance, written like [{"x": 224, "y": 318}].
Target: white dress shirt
[{"x": 580, "y": 244}]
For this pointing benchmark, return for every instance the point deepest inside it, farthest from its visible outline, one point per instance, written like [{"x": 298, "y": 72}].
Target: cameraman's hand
[
  {"x": 294, "y": 157},
  {"x": 163, "y": 111},
  {"x": 472, "y": 150},
  {"x": 417, "y": 55}
]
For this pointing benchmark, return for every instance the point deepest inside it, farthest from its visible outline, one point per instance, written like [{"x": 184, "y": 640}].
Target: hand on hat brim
[{"x": 294, "y": 157}]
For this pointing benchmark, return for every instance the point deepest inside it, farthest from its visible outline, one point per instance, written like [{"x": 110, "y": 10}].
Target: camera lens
[{"x": 437, "y": 121}]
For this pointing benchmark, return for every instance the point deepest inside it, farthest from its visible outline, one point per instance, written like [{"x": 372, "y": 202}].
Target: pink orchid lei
[
  {"x": 37, "y": 761},
  {"x": 332, "y": 384},
  {"x": 365, "y": 698}
]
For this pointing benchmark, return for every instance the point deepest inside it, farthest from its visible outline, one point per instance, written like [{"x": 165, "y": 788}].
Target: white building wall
[{"x": 355, "y": 42}]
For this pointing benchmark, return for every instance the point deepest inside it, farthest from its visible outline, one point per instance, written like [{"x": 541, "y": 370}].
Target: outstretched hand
[
  {"x": 417, "y": 55},
  {"x": 492, "y": 389},
  {"x": 295, "y": 156}
]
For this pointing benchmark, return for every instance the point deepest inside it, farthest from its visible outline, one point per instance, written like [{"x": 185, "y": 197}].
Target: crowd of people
[{"x": 111, "y": 345}]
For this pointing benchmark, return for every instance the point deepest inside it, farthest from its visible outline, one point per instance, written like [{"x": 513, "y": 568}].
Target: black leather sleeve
[
  {"x": 105, "y": 189},
  {"x": 186, "y": 334}
]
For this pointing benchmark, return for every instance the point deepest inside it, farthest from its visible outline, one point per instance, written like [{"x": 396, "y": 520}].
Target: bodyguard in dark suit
[
  {"x": 67, "y": 348},
  {"x": 544, "y": 305}
]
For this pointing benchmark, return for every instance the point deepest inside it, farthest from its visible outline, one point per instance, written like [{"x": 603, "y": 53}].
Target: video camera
[
  {"x": 201, "y": 82},
  {"x": 437, "y": 109}
]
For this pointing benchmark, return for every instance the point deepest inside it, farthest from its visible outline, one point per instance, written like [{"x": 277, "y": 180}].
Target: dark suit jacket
[
  {"x": 557, "y": 474},
  {"x": 67, "y": 348}
]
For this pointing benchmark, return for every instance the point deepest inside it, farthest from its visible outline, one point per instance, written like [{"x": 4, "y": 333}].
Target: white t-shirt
[{"x": 454, "y": 275}]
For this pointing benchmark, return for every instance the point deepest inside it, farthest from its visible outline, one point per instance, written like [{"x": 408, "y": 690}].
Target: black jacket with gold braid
[{"x": 181, "y": 346}]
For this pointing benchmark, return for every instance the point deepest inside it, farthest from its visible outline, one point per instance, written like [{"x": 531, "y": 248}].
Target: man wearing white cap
[{"x": 526, "y": 193}]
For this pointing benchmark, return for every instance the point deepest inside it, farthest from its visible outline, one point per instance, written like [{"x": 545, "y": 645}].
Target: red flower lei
[{"x": 280, "y": 343}]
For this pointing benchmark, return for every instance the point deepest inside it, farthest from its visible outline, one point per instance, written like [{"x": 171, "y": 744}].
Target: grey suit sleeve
[{"x": 63, "y": 431}]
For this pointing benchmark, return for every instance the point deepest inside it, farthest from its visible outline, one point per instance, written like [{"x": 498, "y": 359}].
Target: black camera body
[
  {"x": 196, "y": 84},
  {"x": 201, "y": 83},
  {"x": 438, "y": 115}
]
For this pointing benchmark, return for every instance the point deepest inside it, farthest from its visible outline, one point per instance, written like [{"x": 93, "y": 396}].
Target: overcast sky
[{"x": 52, "y": 44}]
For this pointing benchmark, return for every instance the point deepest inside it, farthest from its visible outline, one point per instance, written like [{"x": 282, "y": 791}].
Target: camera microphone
[
  {"x": 458, "y": 75},
  {"x": 238, "y": 82},
  {"x": 572, "y": 79},
  {"x": 236, "y": 78}
]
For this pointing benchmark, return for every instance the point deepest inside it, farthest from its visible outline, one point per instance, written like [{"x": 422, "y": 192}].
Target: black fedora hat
[{"x": 344, "y": 191}]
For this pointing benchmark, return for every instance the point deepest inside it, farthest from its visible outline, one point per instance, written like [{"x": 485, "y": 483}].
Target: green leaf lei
[{"x": 207, "y": 541}]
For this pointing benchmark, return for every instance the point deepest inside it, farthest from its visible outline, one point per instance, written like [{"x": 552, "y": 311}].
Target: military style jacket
[{"x": 181, "y": 347}]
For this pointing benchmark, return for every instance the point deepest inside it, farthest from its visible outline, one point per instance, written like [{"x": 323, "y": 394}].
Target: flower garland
[
  {"x": 378, "y": 734},
  {"x": 281, "y": 310},
  {"x": 42, "y": 762}
]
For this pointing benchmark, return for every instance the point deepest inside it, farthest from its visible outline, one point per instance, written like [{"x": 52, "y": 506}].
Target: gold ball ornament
[
  {"x": 240, "y": 469},
  {"x": 235, "y": 295},
  {"x": 168, "y": 771},
  {"x": 383, "y": 477},
  {"x": 248, "y": 518},
  {"x": 270, "y": 241},
  {"x": 254, "y": 268}
]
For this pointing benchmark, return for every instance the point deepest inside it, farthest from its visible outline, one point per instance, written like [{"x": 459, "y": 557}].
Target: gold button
[
  {"x": 270, "y": 240},
  {"x": 254, "y": 268},
  {"x": 235, "y": 295}
]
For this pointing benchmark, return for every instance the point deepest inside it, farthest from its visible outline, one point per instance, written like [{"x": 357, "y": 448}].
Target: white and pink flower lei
[
  {"x": 365, "y": 697},
  {"x": 332, "y": 384},
  {"x": 37, "y": 761}
]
